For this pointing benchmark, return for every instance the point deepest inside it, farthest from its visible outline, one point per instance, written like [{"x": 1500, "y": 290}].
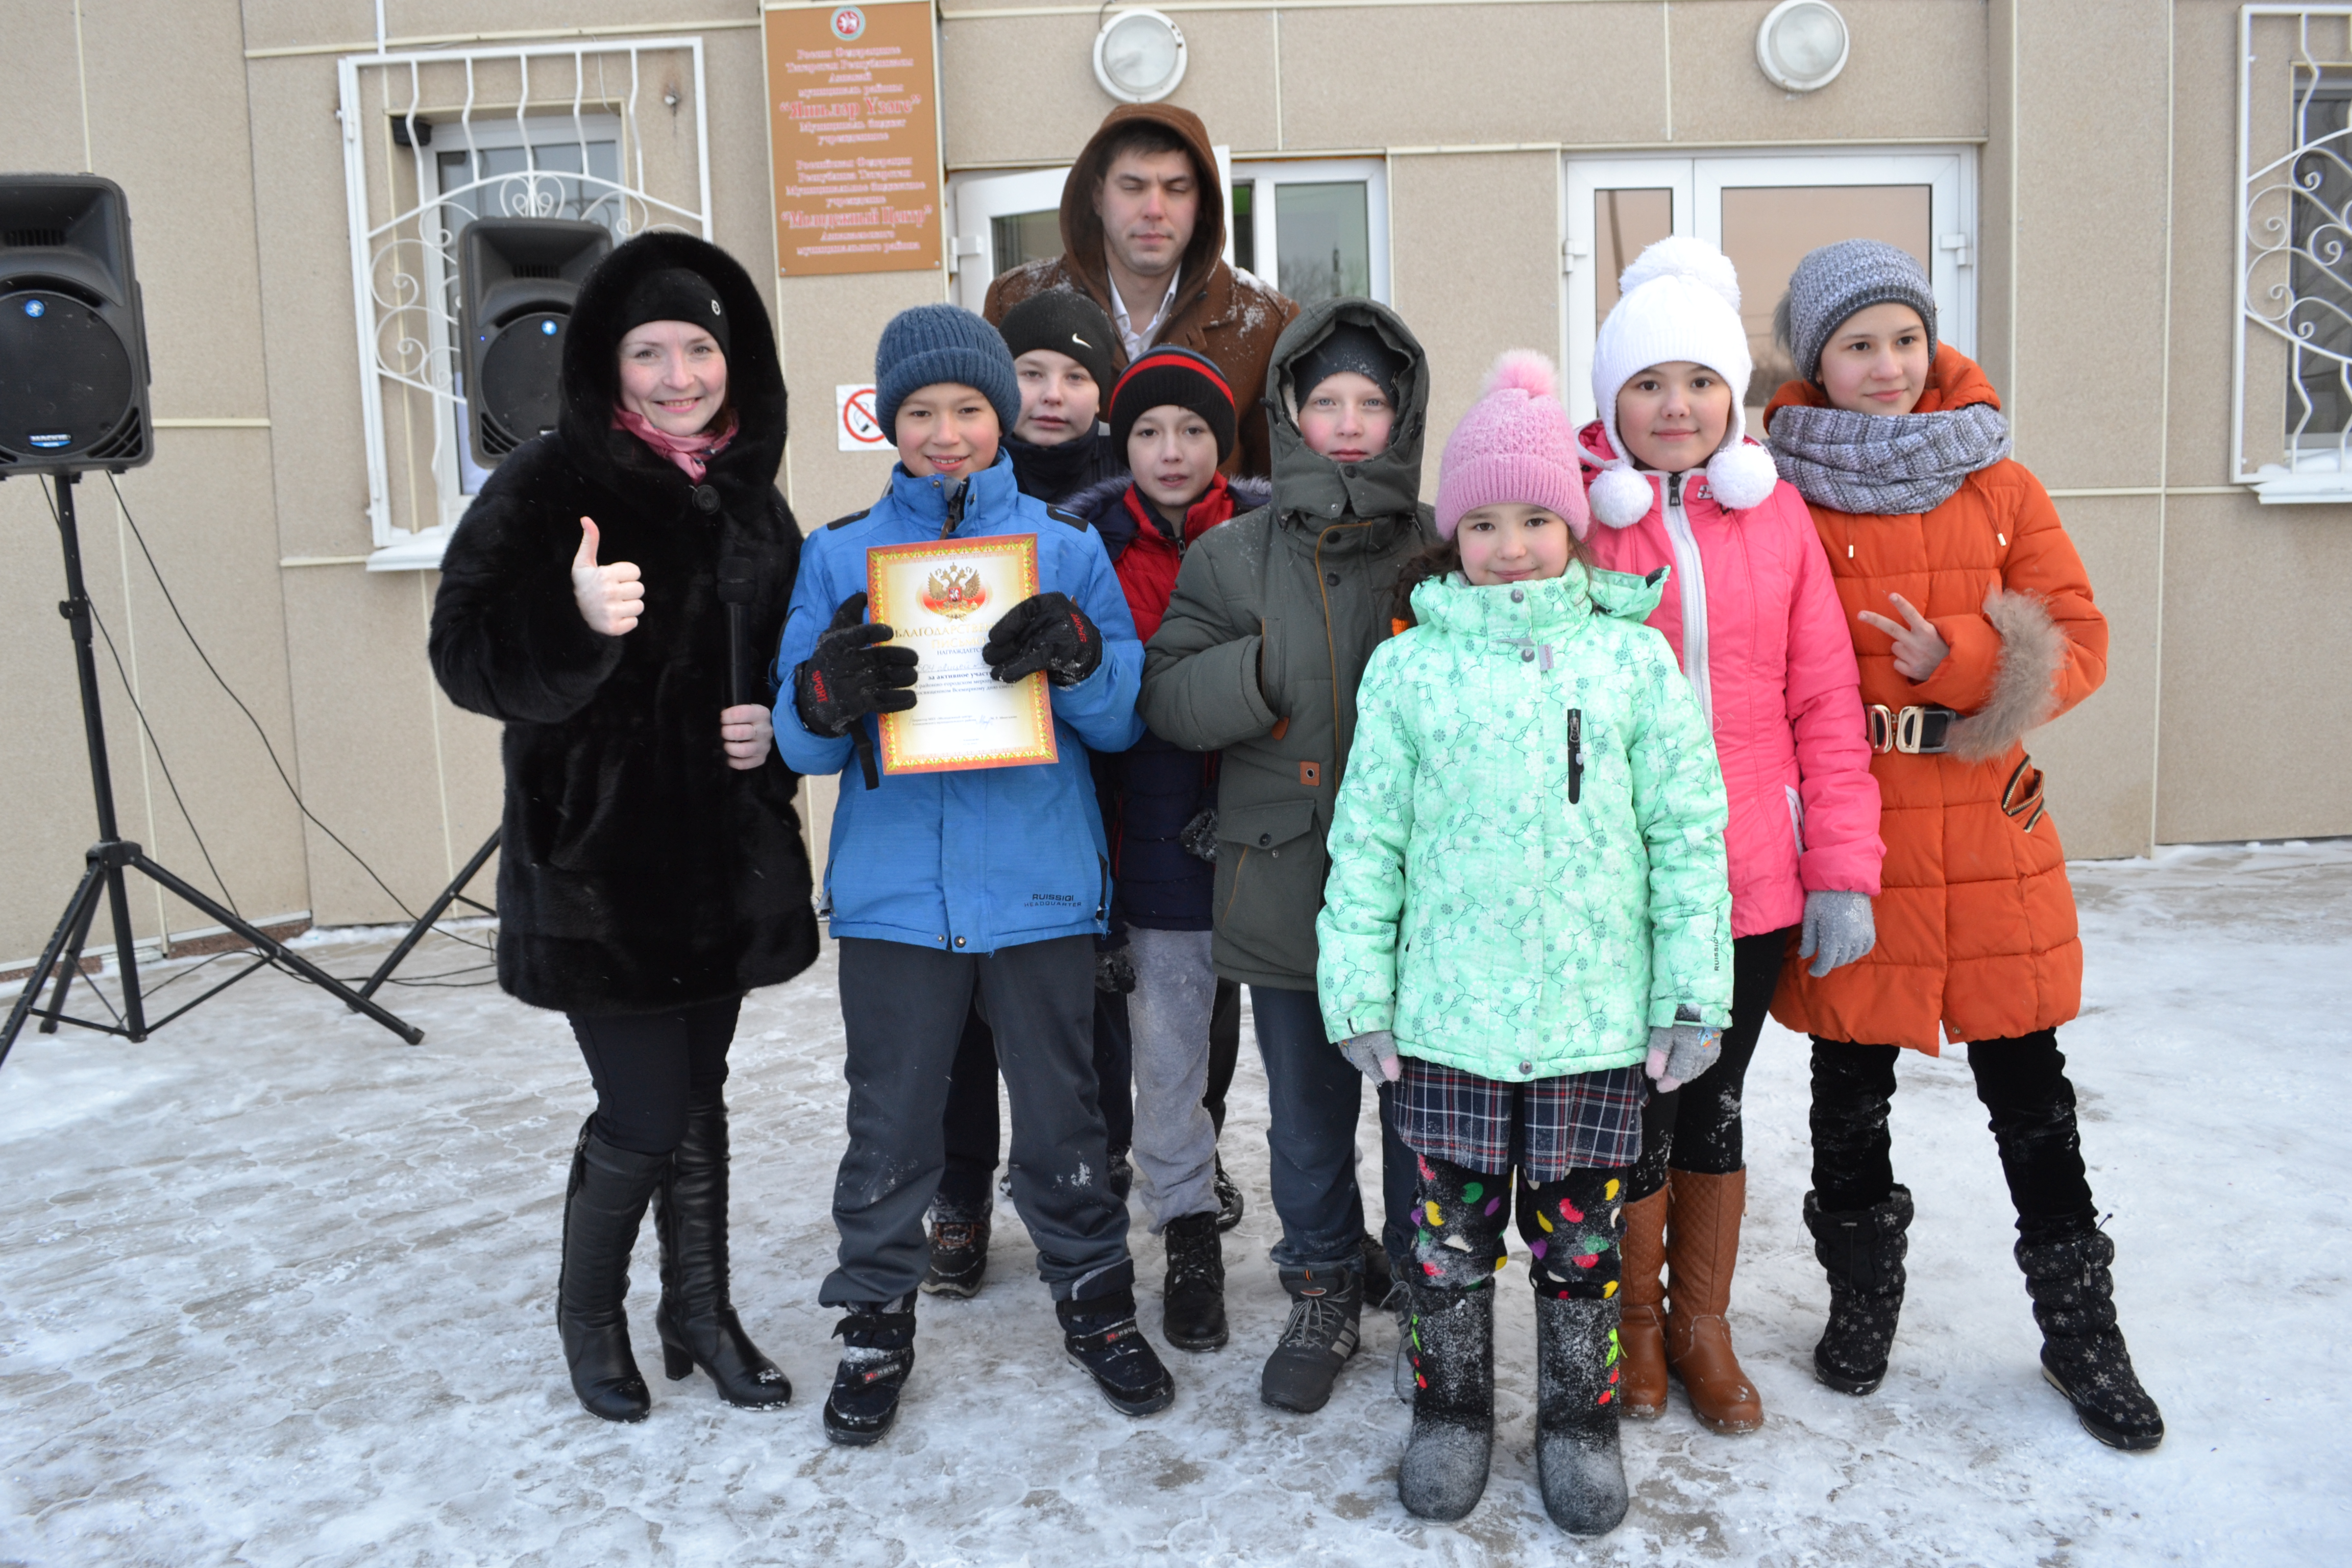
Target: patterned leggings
[{"x": 1573, "y": 1226}]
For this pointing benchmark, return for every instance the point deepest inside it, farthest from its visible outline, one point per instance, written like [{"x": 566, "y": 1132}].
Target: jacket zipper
[
  {"x": 1692, "y": 577},
  {"x": 1575, "y": 754}
]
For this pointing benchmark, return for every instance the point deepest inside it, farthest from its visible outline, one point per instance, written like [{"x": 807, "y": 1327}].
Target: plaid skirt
[{"x": 1547, "y": 1128}]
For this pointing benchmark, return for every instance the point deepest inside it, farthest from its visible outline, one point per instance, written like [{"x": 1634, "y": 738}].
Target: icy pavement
[{"x": 278, "y": 1289}]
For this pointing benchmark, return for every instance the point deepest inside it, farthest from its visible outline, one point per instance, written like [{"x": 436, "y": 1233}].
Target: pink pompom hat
[{"x": 1514, "y": 447}]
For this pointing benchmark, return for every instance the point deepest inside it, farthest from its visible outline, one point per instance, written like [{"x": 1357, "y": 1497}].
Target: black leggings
[
  {"x": 2022, "y": 1083},
  {"x": 646, "y": 1066},
  {"x": 1697, "y": 1128}
]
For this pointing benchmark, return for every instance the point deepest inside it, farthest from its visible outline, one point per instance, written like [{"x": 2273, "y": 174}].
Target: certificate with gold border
[{"x": 940, "y": 599}]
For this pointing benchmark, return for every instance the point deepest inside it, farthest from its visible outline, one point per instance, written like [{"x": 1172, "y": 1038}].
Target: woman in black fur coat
[{"x": 651, "y": 867}]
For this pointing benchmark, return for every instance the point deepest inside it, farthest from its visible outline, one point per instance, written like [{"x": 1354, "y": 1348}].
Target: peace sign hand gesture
[{"x": 1919, "y": 648}]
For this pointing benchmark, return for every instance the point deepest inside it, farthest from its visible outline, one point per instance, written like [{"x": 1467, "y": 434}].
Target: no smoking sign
[{"x": 855, "y": 427}]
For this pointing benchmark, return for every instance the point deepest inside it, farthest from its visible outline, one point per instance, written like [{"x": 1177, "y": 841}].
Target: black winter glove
[
  {"x": 1115, "y": 971},
  {"x": 846, "y": 676},
  {"x": 1048, "y": 632}
]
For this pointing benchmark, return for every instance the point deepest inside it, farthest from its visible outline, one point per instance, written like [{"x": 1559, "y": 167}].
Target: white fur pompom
[
  {"x": 1680, "y": 256},
  {"x": 1741, "y": 477},
  {"x": 1621, "y": 497},
  {"x": 1523, "y": 370}
]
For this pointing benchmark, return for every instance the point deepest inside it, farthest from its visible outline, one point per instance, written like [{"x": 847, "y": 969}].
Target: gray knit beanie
[
  {"x": 931, "y": 343},
  {"x": 1833, "y": 282}
]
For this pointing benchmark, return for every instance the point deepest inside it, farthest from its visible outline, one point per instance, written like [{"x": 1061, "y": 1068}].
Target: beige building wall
[{"x": 2104, "y": 268}]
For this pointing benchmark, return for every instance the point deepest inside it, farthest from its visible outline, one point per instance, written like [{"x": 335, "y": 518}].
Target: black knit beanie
[
  {"x": 1177, "y": 376},
  {"x": 1347, "y": 347},
  {"x": 674, "y": 294},
  {"x": 1067, "y": 322}
]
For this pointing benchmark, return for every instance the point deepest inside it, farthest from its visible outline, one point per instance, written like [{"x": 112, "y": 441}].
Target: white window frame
[
  {"x": 2308, "y": 466},
  {"x": 400, "y": 261},
  {"x": 1698, "y": 181}
]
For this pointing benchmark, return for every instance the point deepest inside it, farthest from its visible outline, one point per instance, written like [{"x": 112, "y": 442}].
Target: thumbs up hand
[{"x": 610, "y": 597}]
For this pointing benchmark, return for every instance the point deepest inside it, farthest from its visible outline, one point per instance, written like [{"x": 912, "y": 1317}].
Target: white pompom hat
[{"x": 1678, "y": 300}]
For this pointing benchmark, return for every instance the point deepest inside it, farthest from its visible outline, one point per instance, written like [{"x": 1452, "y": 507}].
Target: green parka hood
[{"x": 1310, "y": 489}]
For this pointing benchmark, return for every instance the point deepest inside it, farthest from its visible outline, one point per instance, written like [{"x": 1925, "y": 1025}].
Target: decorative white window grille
[
  {"x": 2291, "y": 434},
  {"x": 433, "y": 140}
]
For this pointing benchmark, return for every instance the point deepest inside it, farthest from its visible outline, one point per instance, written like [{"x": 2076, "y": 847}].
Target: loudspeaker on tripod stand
[
  {"x": 517, "y": 279},
  {"x": 73, "y": 398},
  {"x": 73, "y": 340}
]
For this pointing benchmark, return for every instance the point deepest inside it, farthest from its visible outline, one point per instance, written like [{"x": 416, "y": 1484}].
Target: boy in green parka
[{"x": 1528, "y": 908}]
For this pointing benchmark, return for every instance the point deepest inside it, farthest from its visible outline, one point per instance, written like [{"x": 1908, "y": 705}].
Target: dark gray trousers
[{"x": 904, "y": 1007}]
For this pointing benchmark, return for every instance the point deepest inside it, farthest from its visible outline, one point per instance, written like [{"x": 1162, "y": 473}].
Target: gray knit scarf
[{"x": 1888, "y": 464}]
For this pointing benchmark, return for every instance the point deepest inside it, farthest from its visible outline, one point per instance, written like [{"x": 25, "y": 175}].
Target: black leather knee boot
[
  {"x": 696, "y": 1320},
  {"x": 603, "y": 1203}
]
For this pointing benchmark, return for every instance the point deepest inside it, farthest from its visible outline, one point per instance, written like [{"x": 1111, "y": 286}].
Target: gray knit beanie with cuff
[
  {"x": 1833, "y": 282},
  {"x": 932, "y": 344}
]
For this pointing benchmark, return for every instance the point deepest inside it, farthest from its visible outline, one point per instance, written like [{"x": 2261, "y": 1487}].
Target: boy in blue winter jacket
[{"x": 939, "y": 885}]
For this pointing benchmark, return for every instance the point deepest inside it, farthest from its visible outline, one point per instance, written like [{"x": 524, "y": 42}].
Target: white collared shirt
[{"x": 1138, "y": 342}]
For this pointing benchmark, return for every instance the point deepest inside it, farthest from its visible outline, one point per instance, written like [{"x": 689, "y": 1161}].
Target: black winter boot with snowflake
[
  {"x": 878, "y": 1352},
  {"x": 1450, "y": 1339},
  {"x": 2082, "y": 1352},
  {"x": 1863, "y": 1251},
  {"x": 1100, "y": 1336}
]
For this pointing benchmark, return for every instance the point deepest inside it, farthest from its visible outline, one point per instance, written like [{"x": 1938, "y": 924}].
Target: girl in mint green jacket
[{"x": 1527, "y": 910}]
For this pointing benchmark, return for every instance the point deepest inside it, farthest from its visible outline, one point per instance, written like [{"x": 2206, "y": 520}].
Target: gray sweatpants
[
  {"x": 904, "y": 1007},
  {"x": 1175, "y": 1152}
]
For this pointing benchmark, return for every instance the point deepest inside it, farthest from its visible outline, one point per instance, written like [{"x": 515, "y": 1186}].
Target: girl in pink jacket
[{"x": 1751, "y": 612}]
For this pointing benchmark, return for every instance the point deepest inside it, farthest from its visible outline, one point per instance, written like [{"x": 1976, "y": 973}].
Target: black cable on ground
[{"x": 283, "y": 777}]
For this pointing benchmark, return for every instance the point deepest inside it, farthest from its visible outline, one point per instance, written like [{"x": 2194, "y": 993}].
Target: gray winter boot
[
  {"x": 1577, "y": 1462},
  {"x": 2082, "y": 1353},
  {"x": 1451, "y": 1341}
]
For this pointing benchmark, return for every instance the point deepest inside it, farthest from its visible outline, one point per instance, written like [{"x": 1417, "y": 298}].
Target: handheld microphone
[{"x": 737, "y": 588}]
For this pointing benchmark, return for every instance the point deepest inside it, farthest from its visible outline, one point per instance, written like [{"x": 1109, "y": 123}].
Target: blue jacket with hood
[{"x": 968, "y": 862}]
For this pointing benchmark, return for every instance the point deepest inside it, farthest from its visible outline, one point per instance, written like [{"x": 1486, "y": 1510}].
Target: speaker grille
[
  {"x": 125, "y": 442},
  {"x": 537, "y": 269},
  {"x": 48, "y": 236}
]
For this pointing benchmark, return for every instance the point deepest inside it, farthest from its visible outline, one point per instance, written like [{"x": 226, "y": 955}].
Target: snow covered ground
[{"x": 275, "y": 1288}]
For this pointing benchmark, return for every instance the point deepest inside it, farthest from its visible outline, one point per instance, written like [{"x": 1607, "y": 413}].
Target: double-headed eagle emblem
[{"x": 954, "y": 591}]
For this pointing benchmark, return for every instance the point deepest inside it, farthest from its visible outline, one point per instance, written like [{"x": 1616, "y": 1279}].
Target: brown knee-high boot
[
  {"x": 1702, "y": 1248},
  {"x": 1641, "y": 1332}
]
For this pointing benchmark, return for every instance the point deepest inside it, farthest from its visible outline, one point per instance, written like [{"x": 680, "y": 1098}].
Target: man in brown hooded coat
[{"x": 1214, "y": 310}]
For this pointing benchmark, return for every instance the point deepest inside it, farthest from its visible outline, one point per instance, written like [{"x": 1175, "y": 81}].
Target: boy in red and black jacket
[{"x": 1171, "y": 412}]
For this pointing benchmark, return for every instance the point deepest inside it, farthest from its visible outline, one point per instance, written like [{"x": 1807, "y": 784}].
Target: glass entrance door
[{"x": 1765, "y": 213}]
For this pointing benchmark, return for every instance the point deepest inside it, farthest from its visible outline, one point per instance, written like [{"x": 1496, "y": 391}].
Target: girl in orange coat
[{"x": 1973, "y": 622}]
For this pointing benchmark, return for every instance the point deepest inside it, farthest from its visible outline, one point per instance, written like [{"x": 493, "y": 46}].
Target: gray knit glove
[
  {"x": 1838, "y": 930},
  {"x": 1374, "y": 1055},
  {"x": 1681, "y": 1054}
]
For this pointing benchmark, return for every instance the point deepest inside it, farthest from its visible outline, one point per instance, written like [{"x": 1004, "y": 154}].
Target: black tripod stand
[{"x": 112, "y": 855}]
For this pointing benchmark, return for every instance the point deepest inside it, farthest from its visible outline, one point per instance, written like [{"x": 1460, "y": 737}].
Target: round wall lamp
[
  {"x": 1802, "y": 45},
  {"x": 1140, "y": 57}
]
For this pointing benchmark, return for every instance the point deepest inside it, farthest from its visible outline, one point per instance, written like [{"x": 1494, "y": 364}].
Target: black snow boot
[
  {"x": 1862, "y": 1249},
  {"x": 1231, "y": 1204},
  {"x": 1322, "y": 1333},
  {"x": 1577, "y": 1365},
  {"x": 1100, "y": 1335},
  {"x": 1192, "y": 1303},
  {"x": 2082, "y": 1352},
  {"x": 958, "y": 1251},
  {"x": 1450, "y": 1336},
  {"x": 697, "y": 1319},
  {"x": 877, "y": 1340},
  {"x": 603, "y": 1203}
]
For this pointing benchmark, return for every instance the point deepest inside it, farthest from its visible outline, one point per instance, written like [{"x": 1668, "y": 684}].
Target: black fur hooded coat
[{"x": 638, "y": 872}]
